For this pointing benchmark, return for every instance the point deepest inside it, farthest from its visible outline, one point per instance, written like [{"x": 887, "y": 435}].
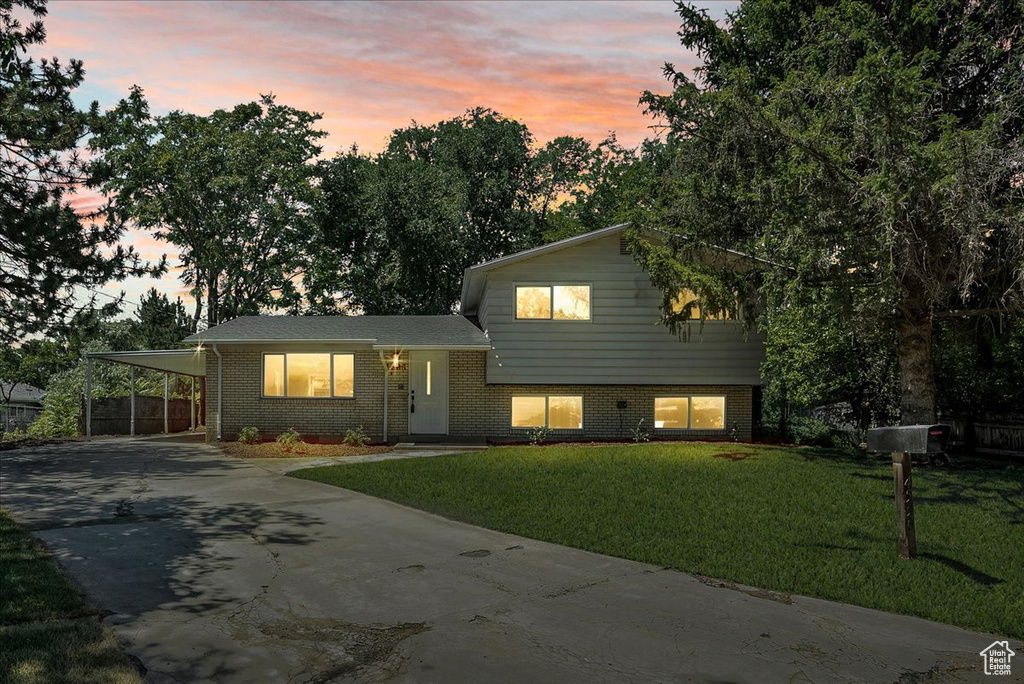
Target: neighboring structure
[
  {"x": 564, "y": 337},
  {"x": 24, "y": 406}
]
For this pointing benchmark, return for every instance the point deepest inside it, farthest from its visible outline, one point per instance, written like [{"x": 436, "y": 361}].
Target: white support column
[
  {"x": 132, "y": 381},
  {"x": 167, "y": 377},
  {"x": 192, "y": 405},
  {"x": 88, "y": 398}
]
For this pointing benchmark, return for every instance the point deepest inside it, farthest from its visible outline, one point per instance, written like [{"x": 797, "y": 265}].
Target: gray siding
[{"x": 623, "y": 344}]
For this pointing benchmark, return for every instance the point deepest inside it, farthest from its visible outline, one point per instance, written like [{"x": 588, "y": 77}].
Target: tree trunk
[
  {"x": 917, "y": 379},
  {"x": 212, "y": 296}
]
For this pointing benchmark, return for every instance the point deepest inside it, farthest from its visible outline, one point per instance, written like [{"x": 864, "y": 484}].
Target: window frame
[
  {"x": 547, "y": 412},
  {"x": 284, "y": 388},
  {"x": 689, "y": 412},
  {"x": 551, "y": 285}
]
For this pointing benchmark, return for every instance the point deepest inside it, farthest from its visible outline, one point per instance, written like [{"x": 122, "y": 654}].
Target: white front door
[{"x": 428, "y": 392}]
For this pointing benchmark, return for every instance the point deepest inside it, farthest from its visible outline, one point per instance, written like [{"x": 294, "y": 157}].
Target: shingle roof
[
  {"x": 24, "y": 394},
  {"x": 381, "y": 331}
]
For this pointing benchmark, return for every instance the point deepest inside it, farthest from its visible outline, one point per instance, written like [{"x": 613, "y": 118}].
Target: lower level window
[
  {"x": 689, "y": 413},
  {"x": 554, "y": 412}
]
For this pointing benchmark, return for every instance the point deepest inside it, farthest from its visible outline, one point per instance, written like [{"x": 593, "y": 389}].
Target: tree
[
  {"x": 871, "y": 149},
  {"x": 47, "y": 249},
  {"x": 161, "y": 324},
  {"x": 611, "y": 186},
  {"x": 399, "y": 228},
  {"x": 234, "y": 191}
]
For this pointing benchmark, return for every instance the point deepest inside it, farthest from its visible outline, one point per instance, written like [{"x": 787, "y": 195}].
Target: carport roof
[{"x": 181, "y": 361}]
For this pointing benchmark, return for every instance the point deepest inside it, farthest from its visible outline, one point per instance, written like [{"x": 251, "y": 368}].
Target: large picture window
[
  {"x": 310, "y": 376},
  {"x": 553, "y": 302},
  {"x": 554, "y": 412},
  {"x": 689, "y": 413}
]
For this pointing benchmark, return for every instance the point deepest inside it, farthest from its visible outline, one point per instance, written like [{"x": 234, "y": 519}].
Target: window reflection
[
  {"x": 672, "y": 413},
  {"x": 528, "y": 412}
]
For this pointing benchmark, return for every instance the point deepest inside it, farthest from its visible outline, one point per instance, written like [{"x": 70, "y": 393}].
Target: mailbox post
[{"x": 902, "y": 442}]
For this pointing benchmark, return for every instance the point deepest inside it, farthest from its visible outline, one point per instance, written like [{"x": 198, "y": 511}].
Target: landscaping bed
[
  {"x": 299, "y": 450},
  {"x": 797, "y": 520},
  {"x": 48, "y": 632}
]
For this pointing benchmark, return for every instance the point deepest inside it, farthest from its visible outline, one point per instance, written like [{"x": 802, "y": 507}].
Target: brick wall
[
  {"x": 479, "y": 409},
  {"x": 476, "y": 409},
  {"x": 244, "y": 406}
]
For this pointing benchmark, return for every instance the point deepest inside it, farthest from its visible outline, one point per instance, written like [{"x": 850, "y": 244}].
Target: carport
[{"x": 187, "y": 362}]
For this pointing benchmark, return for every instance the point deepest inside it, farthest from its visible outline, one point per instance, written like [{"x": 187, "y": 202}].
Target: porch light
[{"x": 395, "y": 359}]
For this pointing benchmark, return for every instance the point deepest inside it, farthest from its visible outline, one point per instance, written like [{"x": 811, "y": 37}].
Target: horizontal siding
[{"x": 623, "y": 344}]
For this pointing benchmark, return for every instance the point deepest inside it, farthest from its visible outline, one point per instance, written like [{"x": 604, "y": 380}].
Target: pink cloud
[{"x": 561, "y": 68}]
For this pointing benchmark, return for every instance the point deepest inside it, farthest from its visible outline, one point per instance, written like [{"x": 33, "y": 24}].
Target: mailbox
[{"x": 909, "y": 439}]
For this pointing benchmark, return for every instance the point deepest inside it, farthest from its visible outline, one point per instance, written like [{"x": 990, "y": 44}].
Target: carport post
[
  {"x": 192, "y": 405},
  {"x": 167, "y": 381},
  {"x": 88, "y": 398},
  {"x": 131, "y": 376}
]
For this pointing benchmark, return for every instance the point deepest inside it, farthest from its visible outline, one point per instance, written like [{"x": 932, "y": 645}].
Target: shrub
[
  {"x": 356, "y": 437},
  {"x": 289, "y": 438},
  {"x": 813, "y": 432},
  {"x": 641, "y": 433},
  {"x": 249, "y": 435},
  {"x": 538, "y": 435},
  {"x": 15, "y": 435}
]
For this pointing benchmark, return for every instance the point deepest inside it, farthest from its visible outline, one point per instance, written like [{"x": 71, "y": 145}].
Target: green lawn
[
  {"x": 805, "y": 521},
  {"x": 48, "y": 632}
]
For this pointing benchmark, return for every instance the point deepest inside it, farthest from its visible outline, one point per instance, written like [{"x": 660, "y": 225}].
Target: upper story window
[
  {"x": 309, "y": 375},
  {"x": 686, "y": 302},
  {"x": 553, "y": 302}
]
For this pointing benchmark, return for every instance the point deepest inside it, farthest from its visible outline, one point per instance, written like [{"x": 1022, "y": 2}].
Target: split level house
[{"x": 565, "y": 337}]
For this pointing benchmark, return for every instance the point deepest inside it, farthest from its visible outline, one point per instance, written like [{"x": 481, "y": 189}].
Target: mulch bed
[{"x": 301, "y": 450}]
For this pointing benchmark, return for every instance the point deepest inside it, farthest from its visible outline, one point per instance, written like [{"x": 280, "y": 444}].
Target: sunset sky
[{"x": 562, "y": 68}]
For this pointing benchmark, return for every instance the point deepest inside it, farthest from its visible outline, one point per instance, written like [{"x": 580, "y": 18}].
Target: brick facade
[{"x": 476, "y": 410}]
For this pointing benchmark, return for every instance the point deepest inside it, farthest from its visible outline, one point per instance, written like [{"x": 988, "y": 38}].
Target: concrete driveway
[{"x": 218, "y": 570}]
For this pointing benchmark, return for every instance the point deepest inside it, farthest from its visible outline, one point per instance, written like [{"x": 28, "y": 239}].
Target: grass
[
  {"x": 48, "y": 632},
  {"x": 299, "y": 450},
  {"x": 806, "y": 521}
]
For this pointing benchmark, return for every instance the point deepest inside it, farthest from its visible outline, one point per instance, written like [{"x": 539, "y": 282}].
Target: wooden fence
[
  {"x": 988, "y": 436},
  {"x": 112, "y": 415}
]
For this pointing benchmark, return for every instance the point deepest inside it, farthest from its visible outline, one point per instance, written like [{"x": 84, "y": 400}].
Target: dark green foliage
[
  {"x": 234, "y": 191},
  {"x": 807, "y": 521},
  {"x": 399, "y": 228},
  {"x": 47, "y": 248},
  {"x": 979, "y": 365},
  {"x": 873, "y": 149},
  {"x": 159, "y": 323}
]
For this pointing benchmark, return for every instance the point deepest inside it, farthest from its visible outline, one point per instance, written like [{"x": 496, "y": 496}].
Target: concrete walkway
[
  {"x": 287, "y": 465},
  {"x": 220, "y": 571}
]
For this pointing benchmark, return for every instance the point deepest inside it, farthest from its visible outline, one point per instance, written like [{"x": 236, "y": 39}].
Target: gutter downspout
[
  {"x": 220, "y": 387},
  {"x": 384, "y": 363}
]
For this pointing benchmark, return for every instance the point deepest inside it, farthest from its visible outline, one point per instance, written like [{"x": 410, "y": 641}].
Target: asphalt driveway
[{"x": 218, "y": 570}]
